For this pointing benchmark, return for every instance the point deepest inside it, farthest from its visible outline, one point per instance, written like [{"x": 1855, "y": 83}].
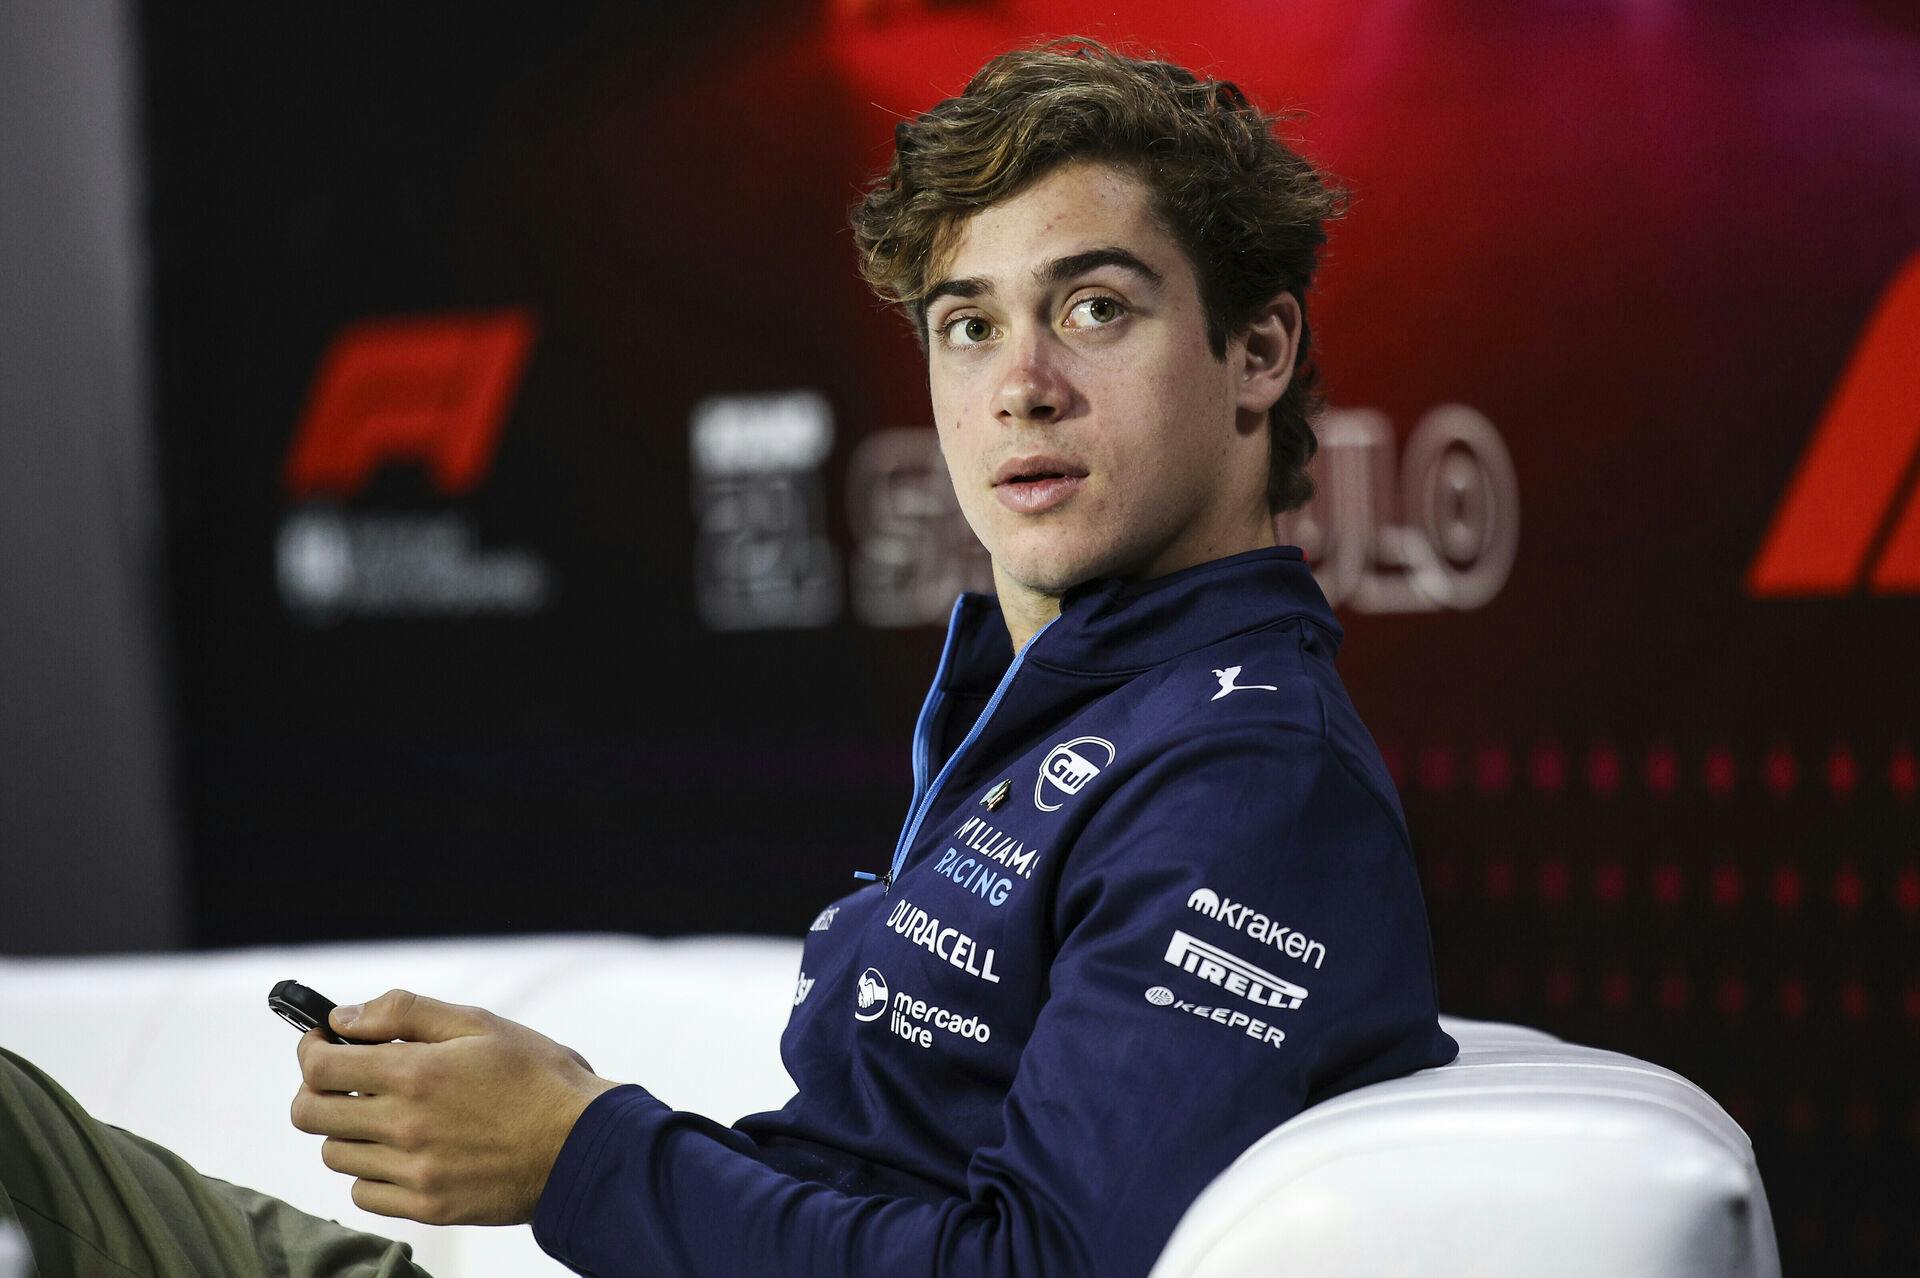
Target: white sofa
[{"x": 1527, "y": 1156}]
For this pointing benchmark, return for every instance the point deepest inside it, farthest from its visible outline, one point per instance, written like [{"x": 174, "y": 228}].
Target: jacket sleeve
[{"x": 1186, "y": 1018}]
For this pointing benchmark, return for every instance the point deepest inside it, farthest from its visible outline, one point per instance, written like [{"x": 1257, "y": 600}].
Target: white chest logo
[
  {"x": 1227, "y": 684},
  {"x": 1066, "y": 769},
  {"x": 872, "y": 995}
]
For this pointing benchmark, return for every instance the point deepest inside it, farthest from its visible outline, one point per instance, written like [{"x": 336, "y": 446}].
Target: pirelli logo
[{"x": 1232, "y": 973}]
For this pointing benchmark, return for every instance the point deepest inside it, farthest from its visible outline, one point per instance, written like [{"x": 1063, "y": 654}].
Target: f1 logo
[
  {"x": 433, "y": 389},
  {"x": 1844, "y": 501}
]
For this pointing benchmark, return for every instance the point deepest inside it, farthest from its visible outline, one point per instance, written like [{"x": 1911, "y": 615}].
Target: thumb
[{"x": 404, "y": 1015}]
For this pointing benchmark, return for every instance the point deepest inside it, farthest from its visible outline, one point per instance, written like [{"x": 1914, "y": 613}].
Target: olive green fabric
[{"x": 95, "y": 1200}]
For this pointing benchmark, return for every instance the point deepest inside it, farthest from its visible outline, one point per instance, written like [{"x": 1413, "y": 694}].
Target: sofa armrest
[{"x": 1525, "y": 1156}]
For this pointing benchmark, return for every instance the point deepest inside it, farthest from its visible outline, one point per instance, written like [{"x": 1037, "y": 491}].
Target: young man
[{"x": 1153, "y": 895}]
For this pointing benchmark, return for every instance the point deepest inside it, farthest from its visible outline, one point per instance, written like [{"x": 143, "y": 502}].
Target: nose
[{"x": 1033, "y": 386}]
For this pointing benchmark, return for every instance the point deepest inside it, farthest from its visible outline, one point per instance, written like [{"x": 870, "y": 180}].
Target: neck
[
  {"x": 1027, "y": 608},
  {"x": 1024, "y": 609}
]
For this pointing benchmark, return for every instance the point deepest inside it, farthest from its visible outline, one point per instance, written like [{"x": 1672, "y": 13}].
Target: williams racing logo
[
  {"x": 1231, "y": 973},
  {"x": 1067, "y": 769}
]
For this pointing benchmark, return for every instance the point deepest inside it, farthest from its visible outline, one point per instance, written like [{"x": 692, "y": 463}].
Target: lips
[
  {"x": 1030, "y": 485},
  {"x": 1037, "y": 469}
]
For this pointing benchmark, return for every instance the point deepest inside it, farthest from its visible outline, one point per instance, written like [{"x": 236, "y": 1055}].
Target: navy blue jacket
[{"x": 1153, "y": 897}]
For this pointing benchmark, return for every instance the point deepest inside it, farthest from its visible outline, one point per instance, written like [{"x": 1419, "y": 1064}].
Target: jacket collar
[{"x": 1112, "y": 627}]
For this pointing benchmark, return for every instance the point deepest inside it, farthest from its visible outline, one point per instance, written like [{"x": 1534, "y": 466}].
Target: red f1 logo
[
  {"x": 1845, "y": 498},
  {"x": 434, "y": 390}
]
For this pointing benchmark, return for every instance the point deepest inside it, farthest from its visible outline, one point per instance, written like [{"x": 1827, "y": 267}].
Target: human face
[{"x": 1088, "y": 428}]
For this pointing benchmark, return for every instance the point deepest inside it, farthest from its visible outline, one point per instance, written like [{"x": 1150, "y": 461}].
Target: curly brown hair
[{"x": 1249, "y": 211}]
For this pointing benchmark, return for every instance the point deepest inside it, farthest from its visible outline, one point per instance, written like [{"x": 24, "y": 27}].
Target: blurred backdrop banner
[{"x": 557, "y": 537}]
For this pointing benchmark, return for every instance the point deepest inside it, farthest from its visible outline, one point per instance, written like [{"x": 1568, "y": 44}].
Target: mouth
[
  {"x": 1030, "y": 485},
  {"x": 1037, "y": 470}
]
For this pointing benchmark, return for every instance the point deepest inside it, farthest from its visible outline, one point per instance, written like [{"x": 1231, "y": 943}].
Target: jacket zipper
[{"x": 919, "y": 814}]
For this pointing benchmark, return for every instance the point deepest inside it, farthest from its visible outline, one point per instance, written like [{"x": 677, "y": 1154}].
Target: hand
[{"x": 458, "y": 1124}]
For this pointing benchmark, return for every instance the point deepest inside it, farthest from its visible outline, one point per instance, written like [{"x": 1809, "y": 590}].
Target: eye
[
  {"x": 1095, "y": 312},
  {"x": 968, "y": 330}
]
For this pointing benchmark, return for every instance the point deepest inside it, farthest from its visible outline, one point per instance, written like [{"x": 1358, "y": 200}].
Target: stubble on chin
[{"x": 1054, "y": 570}]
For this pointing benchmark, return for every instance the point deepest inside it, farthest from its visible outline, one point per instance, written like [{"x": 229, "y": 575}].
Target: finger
[
  {"x": 338, "y": 1067},
  {"x": 384, "y": 1199},
  {"x": 402, "y": 1014},
  {"x": 307, "y": 1040},
  {"x": 349, "y": 1117},
  {"x": 368, "y": 1160}
]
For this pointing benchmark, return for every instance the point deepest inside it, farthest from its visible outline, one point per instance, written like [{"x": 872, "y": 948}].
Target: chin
[
  {"x": 1056, "y": 570},
  {"x": 1053, "y": 583}
]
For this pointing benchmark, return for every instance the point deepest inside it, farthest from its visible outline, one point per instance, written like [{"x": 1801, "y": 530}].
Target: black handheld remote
[{"x": 306, "y": 1009}]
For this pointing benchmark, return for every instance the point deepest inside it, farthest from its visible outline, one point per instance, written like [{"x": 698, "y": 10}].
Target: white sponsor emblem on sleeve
[
  {"x": 1232, "y": 973},
  {"x": 1252, "y": 1026},
  {"x": 1243, "y": 917},
  {"x": 1227, "y": 684}
]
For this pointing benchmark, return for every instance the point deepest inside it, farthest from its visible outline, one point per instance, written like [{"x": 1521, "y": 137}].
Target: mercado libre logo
[
  {"x": 432, "y": 391},
  {"x": 1850, "y": 515},
  {"x": 870, "y": 995}
]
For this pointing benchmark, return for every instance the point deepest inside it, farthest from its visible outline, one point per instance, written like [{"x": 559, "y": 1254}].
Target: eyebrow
[{"x": 1057, "y": 271}]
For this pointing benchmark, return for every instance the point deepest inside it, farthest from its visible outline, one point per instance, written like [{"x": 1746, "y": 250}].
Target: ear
[{"x": 1271, "y": 344}]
